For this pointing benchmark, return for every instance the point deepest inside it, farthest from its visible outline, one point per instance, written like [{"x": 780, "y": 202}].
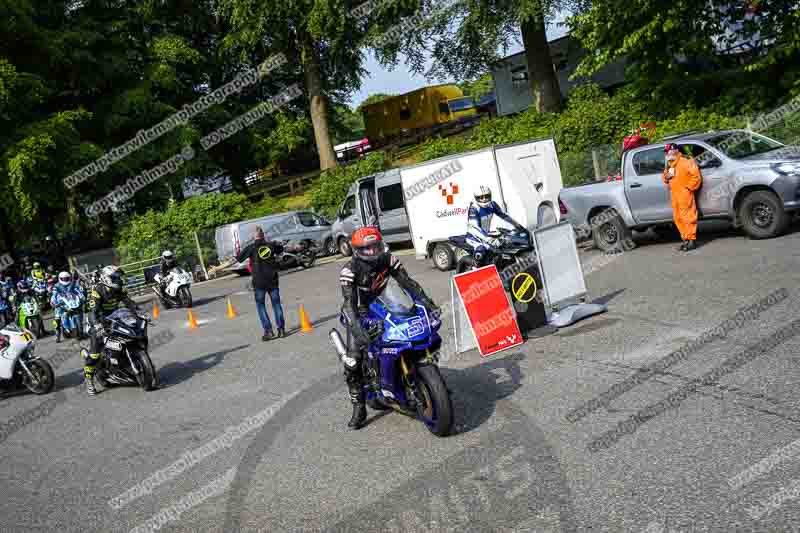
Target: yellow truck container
[{"x": 416, "y": 111}]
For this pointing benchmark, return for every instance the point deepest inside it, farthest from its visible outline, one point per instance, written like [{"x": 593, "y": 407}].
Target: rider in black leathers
[
  {"x": 103, "y": 300},
  {"x": 362, "y": 280}
]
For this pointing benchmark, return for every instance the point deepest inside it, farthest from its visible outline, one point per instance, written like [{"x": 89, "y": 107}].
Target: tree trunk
[
  {"x": 319, "y": 106},
  {"x": 544, "y": 82}
]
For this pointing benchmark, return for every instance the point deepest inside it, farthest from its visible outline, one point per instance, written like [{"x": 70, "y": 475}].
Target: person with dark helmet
[
  {"x": 104, "y": 299},
  {"x": 363, "y": 279}
]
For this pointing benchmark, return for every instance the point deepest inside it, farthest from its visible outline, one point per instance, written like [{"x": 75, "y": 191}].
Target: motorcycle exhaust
[{"x": 338, "y": 344}]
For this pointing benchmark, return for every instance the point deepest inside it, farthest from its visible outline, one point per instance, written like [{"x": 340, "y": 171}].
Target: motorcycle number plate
[{"x": 114, "y": 345}]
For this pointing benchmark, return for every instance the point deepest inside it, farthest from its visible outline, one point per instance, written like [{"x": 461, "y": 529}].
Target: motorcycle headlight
[{"x": 787, "y": 169}]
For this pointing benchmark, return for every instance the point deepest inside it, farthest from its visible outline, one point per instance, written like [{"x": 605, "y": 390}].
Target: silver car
[
  {"x": 373, "y": 200},
  {"x": 292, "y": 225},
  {"x": 749, "y": 179}
]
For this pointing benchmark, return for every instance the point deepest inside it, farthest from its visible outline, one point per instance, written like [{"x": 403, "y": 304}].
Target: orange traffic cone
[
  {"x": 192, "y": 321},
  {"x": 231, "y": 310},
  {"x": 155, "y": 310},
  {"x": 305, "y": 324}
]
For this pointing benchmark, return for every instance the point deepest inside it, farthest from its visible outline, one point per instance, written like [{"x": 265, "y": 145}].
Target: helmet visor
[
  {"x": 483, "y": 198},
  {"x": 370, "y": 250}
]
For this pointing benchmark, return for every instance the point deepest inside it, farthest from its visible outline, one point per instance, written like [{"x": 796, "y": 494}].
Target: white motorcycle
[
  {"x": 177, "y": 293},
  {"x": 19, "y": 367}
]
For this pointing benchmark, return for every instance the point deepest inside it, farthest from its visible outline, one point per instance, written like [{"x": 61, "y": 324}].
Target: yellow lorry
[{"x": 420, "y": 111}]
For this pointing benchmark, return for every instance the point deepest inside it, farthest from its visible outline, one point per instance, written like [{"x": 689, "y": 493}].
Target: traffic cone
[
  {"x": 305, "y": 324},
  {"x": 192, "y": 321},
  {"x": 231, "y": 310},
  {"x": 155, "y": 310}
]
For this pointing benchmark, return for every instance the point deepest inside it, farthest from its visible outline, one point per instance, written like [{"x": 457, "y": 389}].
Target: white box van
[{"x": 525, "y": 179}]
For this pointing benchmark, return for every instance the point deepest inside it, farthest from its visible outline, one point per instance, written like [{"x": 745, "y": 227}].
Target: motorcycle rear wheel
[
  {"x": 437, "y": 413},
  {"x": 45, "y": 376},
  {"x": 308, "y": 262}
]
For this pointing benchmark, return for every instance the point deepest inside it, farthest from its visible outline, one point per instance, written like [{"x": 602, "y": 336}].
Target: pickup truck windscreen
[{"x": 740, "y": 144}]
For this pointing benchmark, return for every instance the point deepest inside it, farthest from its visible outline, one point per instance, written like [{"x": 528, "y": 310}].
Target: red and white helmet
[{"x": 367, "y": 244}]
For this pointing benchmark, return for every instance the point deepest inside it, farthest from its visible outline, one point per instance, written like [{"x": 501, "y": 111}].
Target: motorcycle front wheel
[
  {"x": 44, "y": 379},
  {"x": 437, "y": 411},
  {"x": 185, "y": 296},
  {"x": 465, "y": 263},
  {"x": 147, "y": 377},
  {"x": 308, "y": 262}
]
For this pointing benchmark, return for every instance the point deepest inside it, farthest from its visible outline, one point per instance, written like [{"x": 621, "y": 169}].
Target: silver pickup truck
[{"x": 749, "y": 179}]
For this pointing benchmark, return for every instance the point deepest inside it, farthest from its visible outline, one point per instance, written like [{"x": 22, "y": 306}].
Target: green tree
[
  {"x": 322, "y": 40},
  {"x": 478, "y": 87},
  {"x": 464, "y": 38},
  {"x": 655, "y": 36}
]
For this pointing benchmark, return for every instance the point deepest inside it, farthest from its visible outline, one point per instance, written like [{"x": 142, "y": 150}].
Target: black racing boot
[
  {"x": 682, "y": 247},
  {"x": 690, "y": 245},
  {"x": 89, "y": 378},
  {"x": 359, "y": 416}
]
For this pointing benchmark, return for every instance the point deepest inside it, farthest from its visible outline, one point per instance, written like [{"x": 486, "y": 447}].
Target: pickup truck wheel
[
  {"x": 609, "y": 236},
  {"x": 762, "y": 215},
  {"x": 442, "y": 257}
]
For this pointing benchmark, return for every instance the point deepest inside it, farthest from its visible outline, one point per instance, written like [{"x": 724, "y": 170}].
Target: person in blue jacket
[{"x": 479, "y": 222}]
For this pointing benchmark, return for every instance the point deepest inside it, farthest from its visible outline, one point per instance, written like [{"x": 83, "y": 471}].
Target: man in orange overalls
[{"x": 683, "y": 177}]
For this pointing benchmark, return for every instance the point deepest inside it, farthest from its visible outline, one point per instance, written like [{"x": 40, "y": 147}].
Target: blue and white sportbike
[{"x": 400, "y": 367}]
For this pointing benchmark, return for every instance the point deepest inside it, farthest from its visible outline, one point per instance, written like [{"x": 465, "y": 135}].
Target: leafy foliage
[
  {"x": 147, "y": 235},
  {"x": 478, "y": 87},
  {"x": 684, "y": 38}
]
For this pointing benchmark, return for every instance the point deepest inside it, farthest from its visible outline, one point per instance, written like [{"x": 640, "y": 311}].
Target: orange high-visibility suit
[{"x": 685, "y": 182}]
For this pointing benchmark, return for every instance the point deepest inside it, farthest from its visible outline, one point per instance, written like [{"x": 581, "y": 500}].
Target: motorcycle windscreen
[
  {"x": 396, "y": 300},
  {"x": 125, "y": 316}
]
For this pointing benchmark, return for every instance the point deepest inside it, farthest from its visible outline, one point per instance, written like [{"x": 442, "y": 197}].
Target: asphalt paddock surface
[{"x": 246, "y": 435}]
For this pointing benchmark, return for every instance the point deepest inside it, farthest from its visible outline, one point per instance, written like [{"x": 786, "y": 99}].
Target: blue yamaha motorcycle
[
  {"x": 70, "y": 322},
  {"x": 400, "y": 367}
]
